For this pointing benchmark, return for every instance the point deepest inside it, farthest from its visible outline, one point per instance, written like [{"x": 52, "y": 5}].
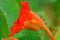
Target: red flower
[
  {"x": 27, "y": 15},
  {"x": 23, "y": 16}
]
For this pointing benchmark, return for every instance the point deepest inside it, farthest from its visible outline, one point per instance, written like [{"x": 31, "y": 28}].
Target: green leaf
[
  {"x": 29, "y": 35},
  {"x": 12, "y": 10},
  {"x": 4, "y": 31},
  {"x": 57, "y": 36}
]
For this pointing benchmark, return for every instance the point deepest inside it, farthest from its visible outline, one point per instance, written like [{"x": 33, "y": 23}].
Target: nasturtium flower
[{"x": 29, "y": 18}]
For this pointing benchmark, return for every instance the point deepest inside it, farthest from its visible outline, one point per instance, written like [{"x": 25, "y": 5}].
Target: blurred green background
[{"x": 49, "y": 10}]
